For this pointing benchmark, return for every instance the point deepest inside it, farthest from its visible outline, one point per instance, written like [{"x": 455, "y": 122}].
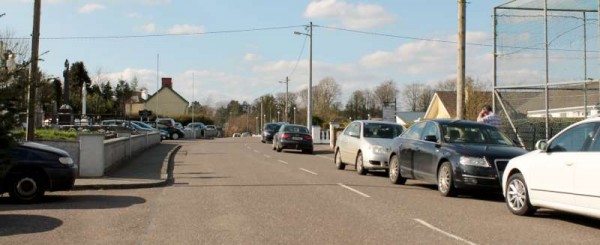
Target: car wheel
[
  {"x": 279, "y": 149},
  {"x": 446, "y": 180},
  {"x": 338, "y": 161},
  {"x": 174, "y": 136},
  {"x": 394, "y": 171},
  {"x": 360, "y": 168},
  {"x": 273, "y": 146},
  {"x": 517, "y": 198},
  {"x": 27, "y": 187}
]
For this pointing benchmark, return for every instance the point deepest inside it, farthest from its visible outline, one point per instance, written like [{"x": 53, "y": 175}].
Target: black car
[
  {"x": 295, "y": 137},
  {"x": 173, "y": 132},
  {"x": 269, "y": 131},
  {"x": 32, "y": 169},
  {"x": 454, "y": 154}
]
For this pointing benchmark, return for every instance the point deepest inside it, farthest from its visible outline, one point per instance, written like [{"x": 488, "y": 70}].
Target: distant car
[
  {"x": 246, "y": 134},
  {"x": 178, "y": 125},
  {"x": 143, "y": 125},
  {"x": 164, "y": 134},
  {"x": 366, "y": 145},
  {"x": 174, "y": 133},
  {"x": 195, "y": 126},
  {"x": 269, "y": 131},
  {"x": 166, "y": 121},
  {"x": 560, "y": 174},
  {"x": 211, "y": 131},
  {"x": 294, "y": 137},
  {"x": 33, "y": 169},
  {"x": 136, "y": 127},
  {"x": 236, "y": 135},
  {"x": 454, "y": 154}
]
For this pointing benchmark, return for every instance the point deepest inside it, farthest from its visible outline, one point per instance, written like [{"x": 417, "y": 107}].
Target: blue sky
[{"x": 245, "y": 65}]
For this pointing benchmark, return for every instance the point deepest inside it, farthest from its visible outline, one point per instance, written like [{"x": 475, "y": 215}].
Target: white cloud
[
  {"x": 148, "y": 28},
  {"x": 250, "y": 57},
  {"x": 185, "y": 29},
  {"x": 356, "y": 16},
  {"x": 90, "y": 7}
]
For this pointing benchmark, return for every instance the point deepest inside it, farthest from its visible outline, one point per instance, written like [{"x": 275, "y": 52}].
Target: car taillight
[
  {"x": 285, "y": 136},
  {"x": 307, "y": 137}
]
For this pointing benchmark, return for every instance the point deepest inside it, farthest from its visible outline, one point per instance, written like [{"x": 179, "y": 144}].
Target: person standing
[{"x": 487, "y": 116}]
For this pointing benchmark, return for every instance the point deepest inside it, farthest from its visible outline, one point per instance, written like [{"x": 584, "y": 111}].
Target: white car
[
  {"x": 561, "y": 174},
  {"x": 366, "y": 145}
]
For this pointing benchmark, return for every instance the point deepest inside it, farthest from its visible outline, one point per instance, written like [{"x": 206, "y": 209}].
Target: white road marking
[
  {"x": 354, "y": 190},
  {"x": 328, "y": 158},
  {"x": 281, "y": 161},
  {"x": 256, "y": 151},
  {"x": 444, "y": 232},
  {"x": 267, "y": 156},
  {"x": 308, "y": 171}
]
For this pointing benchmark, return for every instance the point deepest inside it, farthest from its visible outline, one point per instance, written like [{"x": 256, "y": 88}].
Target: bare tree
[
  {"x": 411, "y": 94},
  {"x": 386, "y": 92}
]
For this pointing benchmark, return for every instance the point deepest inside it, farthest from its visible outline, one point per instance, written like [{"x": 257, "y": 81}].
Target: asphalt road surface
[{"x": 239, "y": 191}]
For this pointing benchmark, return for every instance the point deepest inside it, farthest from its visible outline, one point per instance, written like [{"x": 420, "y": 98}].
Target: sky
[{"x": 219, "y": 50}]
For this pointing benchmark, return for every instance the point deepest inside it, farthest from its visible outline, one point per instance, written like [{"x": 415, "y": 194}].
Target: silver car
[{"x": 366, "y": 144}]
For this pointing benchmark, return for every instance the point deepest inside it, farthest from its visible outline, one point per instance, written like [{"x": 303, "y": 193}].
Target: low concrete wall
[
  {"x": 99, "y": 158},
  {"x": 95, "y": 156}
]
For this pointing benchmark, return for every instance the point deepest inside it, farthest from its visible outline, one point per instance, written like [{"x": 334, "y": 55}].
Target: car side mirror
[
  {"x": 542, "y": 145},
  {"x": 431, "y": 138},
  {"x": 353, "y": 134}
]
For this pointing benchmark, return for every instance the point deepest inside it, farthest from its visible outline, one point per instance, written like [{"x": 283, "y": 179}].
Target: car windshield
[
  {"x": 474, "y": 134},
  {"x": 381, "y": 130},
  {"x": 296, "y": 129},
  {"x": 272, "y": 126},
  {"x": 142, "y": 125}
]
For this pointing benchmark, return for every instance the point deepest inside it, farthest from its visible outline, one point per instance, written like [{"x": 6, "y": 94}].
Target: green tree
[{"x": 78, "y": 78}]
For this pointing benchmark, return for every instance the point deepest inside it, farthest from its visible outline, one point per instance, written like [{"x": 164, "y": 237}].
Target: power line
[
  {"x": 161, "y": 35},
  {"x": 449, "y": 42},
  {"x": 299, "y": 56}
]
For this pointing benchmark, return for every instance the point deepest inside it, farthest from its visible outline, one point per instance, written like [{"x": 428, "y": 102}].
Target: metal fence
[{"x": 546, "y": 58}]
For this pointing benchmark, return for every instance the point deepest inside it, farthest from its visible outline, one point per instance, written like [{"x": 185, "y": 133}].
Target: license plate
[{"x": 297, "y": 138}]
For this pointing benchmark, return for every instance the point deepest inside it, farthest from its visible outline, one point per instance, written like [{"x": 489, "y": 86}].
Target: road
[{"x": 239, "y": 191}]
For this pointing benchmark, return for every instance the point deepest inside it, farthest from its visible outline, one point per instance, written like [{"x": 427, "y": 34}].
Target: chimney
[{"x": 167, "y": 82}]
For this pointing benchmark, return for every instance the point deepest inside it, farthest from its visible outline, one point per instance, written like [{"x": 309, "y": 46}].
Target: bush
[
  {"x": 49, "y": 134},
  {"x": 185, "y": 119}
]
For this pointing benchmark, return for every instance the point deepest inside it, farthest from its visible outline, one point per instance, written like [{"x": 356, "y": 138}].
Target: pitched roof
[
  {"x": 410, "y": 116},
  {"x": 448, "y": 98},
  {"x": 172, "y": 90}
]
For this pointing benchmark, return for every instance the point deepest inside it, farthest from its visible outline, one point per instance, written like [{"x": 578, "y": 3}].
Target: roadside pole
[{"x": 33, "y": 72}]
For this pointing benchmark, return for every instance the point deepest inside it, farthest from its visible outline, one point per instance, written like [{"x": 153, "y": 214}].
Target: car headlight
[
  {"x": 377, "y": 149},
  {"x": 65, "y": 160},
  {"x": 474, "y": 161}
]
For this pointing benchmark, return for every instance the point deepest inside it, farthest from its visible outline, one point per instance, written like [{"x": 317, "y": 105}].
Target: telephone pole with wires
[
  {"x": 34, "y": 75},
  {"x": 460, "y": 78}
]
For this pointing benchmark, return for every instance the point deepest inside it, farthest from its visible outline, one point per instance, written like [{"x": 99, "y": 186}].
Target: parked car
[
  {"x": 366, "y": 145},
  {"x": 454, "y": 154},
  {"x": 195, "y": 126},
  {"x": 295, "y": 137},
  {"x": 269, "y": 131},
  {"x": 560, "y": 174},
  {"x": 236, "y": 135},
  {"x": 174, "y": 133},
  {"x": 166, "y": 121},
  {"x": 164, "y": 134},
  {"x": 246, "y": 134},
  {"x": 33, "y": 169},
  {"x": 178, "y": 125},
  {"x": 211, "y": 131},
  {"x": 143, "y": 125}
]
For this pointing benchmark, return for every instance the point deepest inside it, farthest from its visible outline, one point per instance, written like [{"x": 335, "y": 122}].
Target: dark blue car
[{"x": 454, "y": 154}]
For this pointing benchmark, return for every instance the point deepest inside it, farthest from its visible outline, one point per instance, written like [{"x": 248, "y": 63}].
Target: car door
[
  {"x": 425, "y": 153},
  {"x": 551, "y": 174},
  {"x": 406, "y": 149},
  {"x": 353, "y": 142},
  {"x": 344, "y": 142},
  {"x": 586, "y": 174}
]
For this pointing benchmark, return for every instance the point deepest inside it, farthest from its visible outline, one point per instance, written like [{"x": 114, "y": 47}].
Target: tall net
[{"x": 573, "y": 59}]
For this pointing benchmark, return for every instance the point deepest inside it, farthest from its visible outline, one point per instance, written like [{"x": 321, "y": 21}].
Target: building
[
  {"x": 407, "y": 118},
  {"x": 166, "y": 102}
]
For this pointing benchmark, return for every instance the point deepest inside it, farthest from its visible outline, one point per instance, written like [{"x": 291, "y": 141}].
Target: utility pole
[
  {"x": 285, "y": 112},
  {"x": 460, "y": 79},
  {"x": 309, "y": 103},
  {"x": 33, "y": 73}
]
